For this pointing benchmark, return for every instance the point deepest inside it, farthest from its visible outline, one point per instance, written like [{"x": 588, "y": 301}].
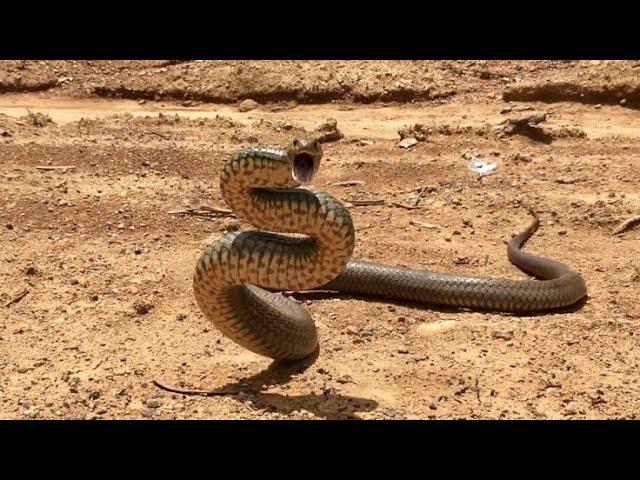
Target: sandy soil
[{"x": 110, "y": 309}]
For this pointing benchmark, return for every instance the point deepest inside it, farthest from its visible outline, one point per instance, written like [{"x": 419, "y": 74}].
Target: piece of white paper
[{"x": 480, "y": 167}]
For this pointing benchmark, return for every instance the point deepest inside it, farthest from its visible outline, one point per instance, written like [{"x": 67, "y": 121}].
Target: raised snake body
[{"x": 234, "y": 274}]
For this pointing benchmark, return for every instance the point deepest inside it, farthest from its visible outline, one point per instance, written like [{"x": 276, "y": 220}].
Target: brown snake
[{"x": 234, "y": 274}]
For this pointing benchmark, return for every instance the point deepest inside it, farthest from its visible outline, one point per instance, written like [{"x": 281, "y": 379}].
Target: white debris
[{"x": 480, "y": 167}]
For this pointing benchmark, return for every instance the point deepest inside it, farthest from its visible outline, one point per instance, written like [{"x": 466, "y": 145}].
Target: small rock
[
  {"x": 416, "y": 131},
  {"x": 403, "y": 349},
  {"x": 33, "y": 412},
  {"x": 5, "y": 133},
  {"x": 520, "y": 158},
  {"x": 153, "y": 404},
  {"x": 344, "y": 379},
  {"x": 562, "y": 232},
  {"x": 407, "y": 142},
  {"x": 31, "y": 270},
  {"x": 148, "y": 413},
  {"x": 566, "y": 180},
  {"x": 597, "y": 105},
  {"x": 389, "y": 412},
  {"x": 138, "y": 249},
  {"x": 94, "y": 297},
  {"x": 623, "y": 101},
  {"x": 248, "y": 105},
  {"x": 91, "y": 416},
  {"x": 181, "y": 317},
  {"x": 73, "y": 281},
  {"x": 435, "y": 327},
  {"x": 506, "y": 109},
  {"x": 505, "y": 335},
  {"x": 9, "y": 226},
  {"x": 329, "y": 131},
  {"x": 141, "y": 307},
  {"x": 352, "y": 330}
]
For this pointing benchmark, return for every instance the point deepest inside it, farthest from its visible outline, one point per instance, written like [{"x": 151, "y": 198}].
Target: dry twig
[
  {"x": 627, "y": 224},
  {"x": 17, "y": 298}
]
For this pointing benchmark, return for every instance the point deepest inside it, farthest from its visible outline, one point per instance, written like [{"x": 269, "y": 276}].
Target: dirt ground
[{"x": 109, "y": 306}]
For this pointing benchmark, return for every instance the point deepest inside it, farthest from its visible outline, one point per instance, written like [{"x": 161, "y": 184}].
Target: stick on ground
[
  {"x": 17, "y": 298},
  {"x": 203, "y": 212},
  {"x": 364, "y": 203},
  {"x": 192, "y": 391},
  {"x": 406, "y": 207},
  {"x": 424, "y": 225},
  {"x": 55, "y": 167},
  {"x": 627, "y": 224}
]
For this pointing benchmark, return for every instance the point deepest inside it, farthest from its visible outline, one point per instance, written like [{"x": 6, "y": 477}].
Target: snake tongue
[{"x": 303, "y": 168}]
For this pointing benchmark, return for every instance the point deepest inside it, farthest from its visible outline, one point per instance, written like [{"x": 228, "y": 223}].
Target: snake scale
[{"x": 236, "y": 277}]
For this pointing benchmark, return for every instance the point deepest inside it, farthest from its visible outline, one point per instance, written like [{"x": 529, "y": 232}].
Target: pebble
[
  {"x": 138, "y": 249},
  {"x": 248, "y": 105},
  {"x": 181, "y": 317},
  {"x": 142, "y": 308},
  {"x": 566, "y": 180},
  {"x": 31, "y": 270},
  {"x": 344, "y": 379},
  {"x": 148, "y": 413},
  {"x": 505, "y": 335},
  {"x": 403, "y": 349},
  {"x": 91, "y": 416},
  {"x": 153, "y": 404},
  {"x": 33, "y": 412},
  {"x": 407, "y": 142},
  {"x": 9, "y": 226},
  {"x": 435, "y": 327},
  {"x": 352, "y": 330},
  {"x": 562, "y": 232},
  {"x": 623, "y": 101}
]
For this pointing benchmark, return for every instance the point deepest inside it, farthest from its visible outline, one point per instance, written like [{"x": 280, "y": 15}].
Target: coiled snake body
[{"x": 234, "y": 275}]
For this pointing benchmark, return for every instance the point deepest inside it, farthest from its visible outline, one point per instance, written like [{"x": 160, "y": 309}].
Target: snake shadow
[
  {"x": 324, "y": 295},
  {"x": 329, "y": 405}
]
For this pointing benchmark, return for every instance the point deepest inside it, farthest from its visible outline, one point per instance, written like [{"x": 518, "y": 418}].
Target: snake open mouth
[{"x": 303, "y": 167}]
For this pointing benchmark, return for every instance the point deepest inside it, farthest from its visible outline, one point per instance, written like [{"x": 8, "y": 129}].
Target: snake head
[{"x": 304, "y": 156}]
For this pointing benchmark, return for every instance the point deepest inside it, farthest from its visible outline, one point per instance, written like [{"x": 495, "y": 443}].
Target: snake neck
[{"x": 258, "y": 186}]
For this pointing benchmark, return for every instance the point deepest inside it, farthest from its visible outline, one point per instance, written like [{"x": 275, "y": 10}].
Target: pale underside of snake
[{"x": 236, "y": 277}]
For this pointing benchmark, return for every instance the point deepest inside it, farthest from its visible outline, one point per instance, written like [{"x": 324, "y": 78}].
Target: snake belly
[{"x": 235, "y": 276}]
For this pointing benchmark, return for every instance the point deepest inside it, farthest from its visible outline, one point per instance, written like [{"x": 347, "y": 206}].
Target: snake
[{"x": 304, "y": 241}]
